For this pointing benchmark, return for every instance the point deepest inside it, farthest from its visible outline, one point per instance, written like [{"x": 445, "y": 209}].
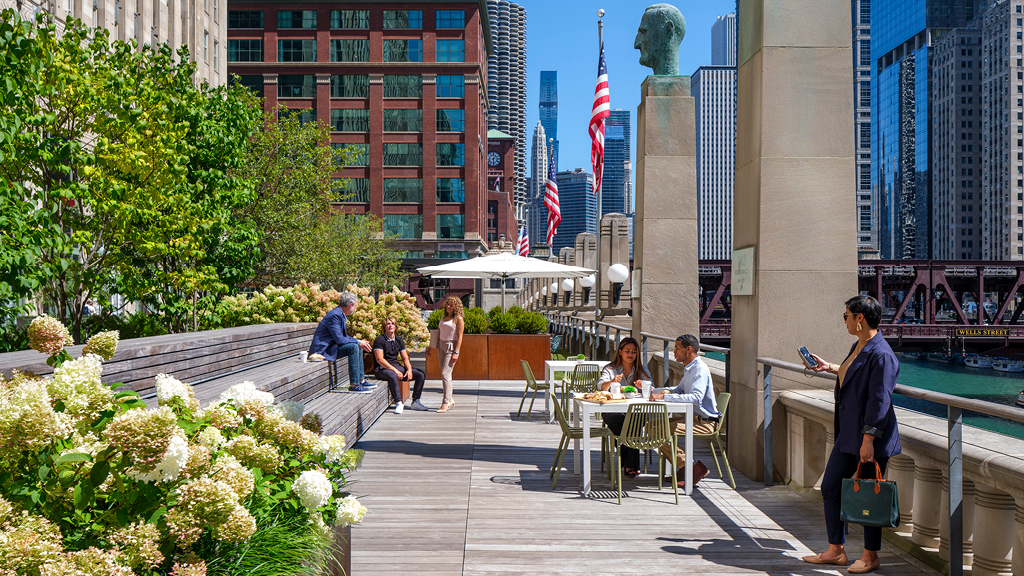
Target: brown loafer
[
  {"x": 817, "y": 559},
  {"x": 860, "y": 567},
  {"x": 700, "y": 471}
]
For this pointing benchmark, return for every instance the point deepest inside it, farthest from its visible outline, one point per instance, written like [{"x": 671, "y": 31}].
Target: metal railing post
[
  {"x": 954, "y": 424},
  {"x": 727, "y": 378},
  {"x": 768, "y": 466},
  {"x": 607, "y": 342},
  {"x": 664, "y": 370}
]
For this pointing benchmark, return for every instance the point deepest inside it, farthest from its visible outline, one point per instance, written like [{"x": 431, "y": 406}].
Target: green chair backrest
[
  {"x": 563, "y": 420},
  {"x": 646, "y": 426},
  {"x": 723, "y": 404},
  {"x": 583, "y": 381},
  {"x": 528, "y": 372}
]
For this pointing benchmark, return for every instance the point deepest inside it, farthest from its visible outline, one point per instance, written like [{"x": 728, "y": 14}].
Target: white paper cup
[
  {"x": 615, "y": 388},
  {"x": 645, "y": 387},
  {"x": 303, "y": 356}
]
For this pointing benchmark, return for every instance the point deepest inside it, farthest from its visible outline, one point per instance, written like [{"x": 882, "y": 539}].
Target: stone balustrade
[{"x": 993, "y": 487}]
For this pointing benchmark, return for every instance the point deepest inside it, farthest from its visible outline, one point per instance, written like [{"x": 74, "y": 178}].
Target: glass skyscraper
[
  {"x": 549, "y": 107},
  {"x": 578, "y": 205},
  {"x": 902, "y": 33},
  {"x": 617, "y": 151}
]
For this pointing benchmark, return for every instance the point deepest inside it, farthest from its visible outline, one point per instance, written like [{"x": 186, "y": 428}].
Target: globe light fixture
[
  {"x": 587, "y": 282},
  {"x": 617, "y": 274},
  {"x": 554, "y": 293},
  {"x": 567, "y": 286}
]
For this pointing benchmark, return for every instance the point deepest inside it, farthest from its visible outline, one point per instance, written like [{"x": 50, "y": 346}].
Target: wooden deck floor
[{"x": 467, "y": 493}]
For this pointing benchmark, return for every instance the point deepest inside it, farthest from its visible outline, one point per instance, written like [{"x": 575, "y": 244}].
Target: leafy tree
[{"x": 302, "y": 237}]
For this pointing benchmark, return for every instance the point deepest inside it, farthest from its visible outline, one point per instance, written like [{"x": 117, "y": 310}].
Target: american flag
[
  {"x": 551, "y": 202},
  {"x": 523, "y": 244},
  {"x": 600, "y": 111}
]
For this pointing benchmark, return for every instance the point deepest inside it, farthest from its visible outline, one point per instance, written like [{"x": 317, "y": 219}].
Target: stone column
[
  {"x": 586, "y": 254},
  {"x": 665, "y": 221},
  {"x": 901, "y": 471},
  {"x": 927, "y": 493},
  {"x": 968, "y": 520},
  {"x": 794, "y": 158},
  {"x": 994, "y": 512},
  {"x": 613, "y": 235},
  {"x": 1018, "y": 537}
]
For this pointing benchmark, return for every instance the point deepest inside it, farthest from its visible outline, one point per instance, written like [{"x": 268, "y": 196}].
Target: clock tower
[{"x": 501, "y": 200}]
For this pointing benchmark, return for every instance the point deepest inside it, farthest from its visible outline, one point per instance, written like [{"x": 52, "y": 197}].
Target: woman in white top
[
  {"x": 450, "y": 341},
  {"x": 627, "y": 370}
]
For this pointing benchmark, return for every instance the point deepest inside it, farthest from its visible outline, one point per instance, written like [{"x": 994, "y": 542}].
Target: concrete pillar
[
  {"x": 613, "y": 235},
  {"x": 806, "y": 458},
  {"x": 1018, "y": 536},
  {"x": 994, "y": 517},
  {"x": 794, "y": 158},
  {"x": 665, "y": 222},
  {"x": 901, "y": 471},
  {"x": 968, "y": 520},
  {"x": 927, "y": 493}
]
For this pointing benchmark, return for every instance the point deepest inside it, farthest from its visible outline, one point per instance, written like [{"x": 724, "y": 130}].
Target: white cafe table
[
  {"x": 552, "y": 366},
  {"x": 583, "y": 410}
]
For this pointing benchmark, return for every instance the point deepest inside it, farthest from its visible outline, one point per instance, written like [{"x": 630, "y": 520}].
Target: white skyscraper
[
  {"x": 536, "y": 215},
  {"x": 723, "y": 41},
  {"x": 714, "y": 93},
  {"x": 506, "y": 82}
]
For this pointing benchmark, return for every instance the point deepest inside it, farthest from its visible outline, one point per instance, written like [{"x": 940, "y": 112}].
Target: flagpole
[{"x": 597, "y": 251}]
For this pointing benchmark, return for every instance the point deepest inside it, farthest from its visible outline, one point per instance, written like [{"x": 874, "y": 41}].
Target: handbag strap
[{"x": 877, "y": 479}]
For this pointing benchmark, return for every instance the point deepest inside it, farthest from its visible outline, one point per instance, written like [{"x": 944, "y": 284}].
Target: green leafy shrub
[
  {"x": 531, "y": 322},
  {"x": 476, "y": 321},
  {"x": 13, "y": 338},
  {"x": 504, "y": 323},
  {"x": 435, "y": 319}
]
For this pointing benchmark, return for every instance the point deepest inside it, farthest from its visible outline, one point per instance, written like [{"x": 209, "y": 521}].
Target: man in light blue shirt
[{"x": 696, "y": 388}]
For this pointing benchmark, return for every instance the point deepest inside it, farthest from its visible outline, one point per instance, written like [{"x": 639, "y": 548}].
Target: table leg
[
  {"x": 586, "y": 453},
  {"x": 576, "y": 443},
  {"x": 549, "y": 376},
  {"x": 689, "y": 451}
]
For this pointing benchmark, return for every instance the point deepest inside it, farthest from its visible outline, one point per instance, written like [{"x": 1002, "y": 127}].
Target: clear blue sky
[{"x": 562, "y": 35}]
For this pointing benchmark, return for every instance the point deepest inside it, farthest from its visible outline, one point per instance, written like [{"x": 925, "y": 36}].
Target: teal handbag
[{"x": 870, "y": 502}]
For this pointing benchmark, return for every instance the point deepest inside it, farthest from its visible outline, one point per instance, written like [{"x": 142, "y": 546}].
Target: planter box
[
  {"x": 496, "y": 357},
  {"x": 472, "y": 364},
  {"x": 504, "y": 352}
]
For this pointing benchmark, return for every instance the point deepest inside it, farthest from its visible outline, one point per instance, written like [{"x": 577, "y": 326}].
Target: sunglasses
[{"x": 847, "y": 315}]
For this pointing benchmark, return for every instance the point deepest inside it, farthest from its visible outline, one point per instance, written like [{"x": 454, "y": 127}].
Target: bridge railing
[{"x": 994, "y": 471}]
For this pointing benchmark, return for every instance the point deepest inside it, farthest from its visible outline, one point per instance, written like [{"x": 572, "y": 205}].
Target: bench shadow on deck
[{"x": 468, "y": 493}]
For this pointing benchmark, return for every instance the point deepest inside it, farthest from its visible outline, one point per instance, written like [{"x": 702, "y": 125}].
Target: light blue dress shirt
[{"x": 696, "y": 388}]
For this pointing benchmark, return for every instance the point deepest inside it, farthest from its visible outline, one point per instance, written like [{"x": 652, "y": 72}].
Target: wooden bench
[{"x": 213, "y": 361}]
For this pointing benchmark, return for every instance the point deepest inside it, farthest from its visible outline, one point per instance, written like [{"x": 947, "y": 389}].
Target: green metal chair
[
  {"x": 559, "y": 375},
  {"x": 575, "y": 433},
  {"x": 582, "y": 380},
  {"x": 716, "y": 438},
  {"x": 531, "y": 384},
  {"x": 646, "y": 428}
]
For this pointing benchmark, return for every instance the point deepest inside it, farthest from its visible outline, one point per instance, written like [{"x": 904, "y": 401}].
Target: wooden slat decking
[{"x": 467, "y": 493}]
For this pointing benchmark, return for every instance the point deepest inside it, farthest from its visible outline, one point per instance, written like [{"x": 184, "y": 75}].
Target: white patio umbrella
[{"x": 504, "y": 265}]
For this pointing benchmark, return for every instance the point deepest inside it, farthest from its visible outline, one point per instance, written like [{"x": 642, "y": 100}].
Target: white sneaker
[
  {"x": 417, "y": 405},
  {"x": 399, "y": 407}
]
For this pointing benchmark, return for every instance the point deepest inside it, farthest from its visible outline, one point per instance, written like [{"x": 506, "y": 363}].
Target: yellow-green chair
[
  {"x": 645, "y": 428},
  {"x": 716, "y": 438},
  {"x": 575, "y": 433},
  {"x": 531, "y": 384}
]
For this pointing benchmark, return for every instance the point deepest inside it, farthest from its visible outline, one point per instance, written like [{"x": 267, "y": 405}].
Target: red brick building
[
  {"x": 501, "y": 178},
  {"x": 406, "y": 83}
]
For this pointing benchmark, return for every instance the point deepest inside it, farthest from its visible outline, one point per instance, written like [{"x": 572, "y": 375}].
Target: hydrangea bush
[{"x": 93, "y": 482}]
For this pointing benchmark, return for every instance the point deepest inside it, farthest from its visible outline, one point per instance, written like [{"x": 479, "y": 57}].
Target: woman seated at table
[{"x": 626, "y": 370}]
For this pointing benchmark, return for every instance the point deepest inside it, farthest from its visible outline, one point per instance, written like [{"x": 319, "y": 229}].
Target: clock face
[{"x": 493, "y": 159}]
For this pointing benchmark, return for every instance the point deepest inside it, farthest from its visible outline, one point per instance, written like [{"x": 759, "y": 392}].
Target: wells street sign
[{"x": 983, "y": 332}]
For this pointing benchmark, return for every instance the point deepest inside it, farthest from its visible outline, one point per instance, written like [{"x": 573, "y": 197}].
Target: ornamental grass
[{"x": 93, "y": 482}]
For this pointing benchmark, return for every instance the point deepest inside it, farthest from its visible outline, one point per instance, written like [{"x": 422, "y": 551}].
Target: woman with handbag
[
  {"x": 450, "y": 328},
  {"x": 865, "y": 425}
]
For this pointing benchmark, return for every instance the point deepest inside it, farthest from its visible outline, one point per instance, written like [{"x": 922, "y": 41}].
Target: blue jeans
[{"x": 355, "y": 362}]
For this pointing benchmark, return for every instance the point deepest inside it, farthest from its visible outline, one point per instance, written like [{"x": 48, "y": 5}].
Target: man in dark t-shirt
[{"x": 387, "y": 349}]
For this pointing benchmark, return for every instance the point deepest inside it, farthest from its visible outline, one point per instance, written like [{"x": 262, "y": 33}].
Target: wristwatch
[{"x": 456, "y": 353}]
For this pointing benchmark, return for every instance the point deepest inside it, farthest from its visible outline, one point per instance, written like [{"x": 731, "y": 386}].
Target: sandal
[
  {"x": 444, "y": 407},
  {"x": 630, "y": 472}
]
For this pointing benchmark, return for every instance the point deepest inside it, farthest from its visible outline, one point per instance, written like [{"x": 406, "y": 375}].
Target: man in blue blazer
[{"x": 331, "y": 340}]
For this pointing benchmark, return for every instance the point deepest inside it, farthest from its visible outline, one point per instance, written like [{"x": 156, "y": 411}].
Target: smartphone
[{"x": 811, "y": 362}]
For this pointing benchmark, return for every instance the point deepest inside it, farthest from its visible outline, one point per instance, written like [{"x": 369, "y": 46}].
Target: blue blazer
[
  {"x": 865, "y": 399},
  {"x": 331, "y": 333}
]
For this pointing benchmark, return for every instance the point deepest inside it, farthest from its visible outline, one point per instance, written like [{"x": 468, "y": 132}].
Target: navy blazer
[
  {"x": 865, "y": 399},
  {"x": 331, "y": 333}
]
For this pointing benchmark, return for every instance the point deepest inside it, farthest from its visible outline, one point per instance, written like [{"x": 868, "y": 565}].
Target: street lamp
[
  {"x": 554, "y": 293},
  {"x": 567, "y": 286},
  {"x": 617, "y": 274},
  {"x": 587, "y": 282}
]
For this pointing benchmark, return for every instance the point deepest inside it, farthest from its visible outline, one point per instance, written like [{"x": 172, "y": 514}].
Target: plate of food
[
  {"x": 602, "y": 397},
  {"x": 630, "y": 392}
]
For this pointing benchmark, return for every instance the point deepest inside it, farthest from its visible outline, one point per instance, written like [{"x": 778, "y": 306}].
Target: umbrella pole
[{"x": 503, "y": 278}]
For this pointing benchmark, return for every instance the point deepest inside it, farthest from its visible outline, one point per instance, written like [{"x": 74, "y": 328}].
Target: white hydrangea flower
[
  {"x": 168, "y": 387},
  {"x": 79, "y": 386},
  {"x": 170, "y": 465},
  {"x": 290, "y": 410},
  {"x": 210, "y": 437},
  {"x": 350, "y": 511},
  {"x": 313, "y": 488},
  {"x": 332, "y": 447},
  {"x": 241, "y": 393}
]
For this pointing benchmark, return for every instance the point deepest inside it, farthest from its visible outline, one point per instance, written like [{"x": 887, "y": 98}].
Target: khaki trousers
[
  {"x": 445, "y": 352},
  {"x": 678, "y": 426}
]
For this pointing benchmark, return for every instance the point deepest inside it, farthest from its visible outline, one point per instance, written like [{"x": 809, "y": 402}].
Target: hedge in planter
[{"x": 94, "y": 482}]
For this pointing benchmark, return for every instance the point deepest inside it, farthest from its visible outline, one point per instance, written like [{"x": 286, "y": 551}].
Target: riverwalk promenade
[{"x": 468, "y": 493}]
